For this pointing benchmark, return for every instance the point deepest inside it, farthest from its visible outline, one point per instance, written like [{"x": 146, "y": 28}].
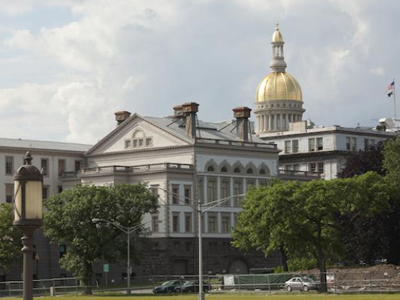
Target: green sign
[{"x": 106, "y": 268}]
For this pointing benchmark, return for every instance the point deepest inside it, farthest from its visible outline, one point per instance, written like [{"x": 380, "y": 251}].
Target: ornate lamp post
[{"x": 28, "y": 183}]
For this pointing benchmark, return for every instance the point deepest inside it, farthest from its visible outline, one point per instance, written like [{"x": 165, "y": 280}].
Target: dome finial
[{"x": 277, "y": 25}]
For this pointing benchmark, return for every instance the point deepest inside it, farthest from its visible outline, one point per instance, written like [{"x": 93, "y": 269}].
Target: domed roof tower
[{"x": 279, "y": 100}]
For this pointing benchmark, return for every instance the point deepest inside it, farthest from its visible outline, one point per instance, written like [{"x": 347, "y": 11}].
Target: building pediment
[{"x": 137, "y": 133}]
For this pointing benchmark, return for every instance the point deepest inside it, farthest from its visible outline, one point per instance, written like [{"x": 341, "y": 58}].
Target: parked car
[
  {"x": 301, "y": 283},
  {"x": 167, "y": 287},
  {"x": 192, "y": 287}
]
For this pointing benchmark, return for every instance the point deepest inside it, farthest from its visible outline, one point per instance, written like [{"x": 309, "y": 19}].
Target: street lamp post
[
  {"x": 127, "y": 231},
  {"x": 28, "y": 184},
  {"x": 202, "y": 208}
]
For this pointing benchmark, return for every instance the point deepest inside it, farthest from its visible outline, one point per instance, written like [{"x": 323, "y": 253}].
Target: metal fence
[{"x": 337, "y": 282}]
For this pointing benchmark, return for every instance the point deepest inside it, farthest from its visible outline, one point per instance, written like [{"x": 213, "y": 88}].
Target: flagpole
[{"x": 394, "y": 98}]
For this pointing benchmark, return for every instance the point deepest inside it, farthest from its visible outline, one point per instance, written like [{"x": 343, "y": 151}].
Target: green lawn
[{"x": 296, "y": 296}]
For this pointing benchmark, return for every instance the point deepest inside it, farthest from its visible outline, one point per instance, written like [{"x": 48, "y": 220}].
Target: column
[
  {"x": 205, "y": 200},
  {"x": 267, "y": 122}
]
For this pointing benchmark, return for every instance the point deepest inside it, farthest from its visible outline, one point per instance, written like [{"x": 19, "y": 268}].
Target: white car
[{"x": 301, "y": 283}]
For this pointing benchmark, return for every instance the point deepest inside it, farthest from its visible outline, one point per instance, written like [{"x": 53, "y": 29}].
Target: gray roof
[
  {"x": 46, "y": 145},
  {"x": 218, "y": 131}
]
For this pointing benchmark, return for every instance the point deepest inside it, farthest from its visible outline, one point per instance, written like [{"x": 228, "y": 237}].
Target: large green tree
[
  {"x": 10, "y": 238},
  {"x": 69, "y": 219},
  {"x": 301, "y": 218},
  {"x": 391, "y": 160}
]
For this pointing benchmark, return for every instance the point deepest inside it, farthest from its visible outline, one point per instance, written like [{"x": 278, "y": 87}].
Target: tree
[
  {"x": 10, "y": 238},
  {"x": 69, "y": 219},
  {"x": 370, "y": 159},
  {"x": 391, "y": 160},
  {"x": 301, "y": 218}
]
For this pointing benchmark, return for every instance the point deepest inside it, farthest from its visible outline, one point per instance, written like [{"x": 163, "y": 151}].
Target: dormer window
[
  {"x": 236, "y": 170},
  {"x": 262, "y": 172},
  {"x": 224, "y": 170},
  {"x": 249, "y": 171},
  {"x": 210, "y": 169}
]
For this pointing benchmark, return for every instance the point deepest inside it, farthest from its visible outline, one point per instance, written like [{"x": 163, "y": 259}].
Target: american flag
[{"x": 390, "y": 88}]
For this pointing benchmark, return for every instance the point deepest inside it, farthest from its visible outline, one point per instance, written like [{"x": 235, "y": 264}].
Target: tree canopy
[
  {"x": 300, "y": 218},
  {"x": 10, "y": 238},
  {"x": 69, "y": 218}
]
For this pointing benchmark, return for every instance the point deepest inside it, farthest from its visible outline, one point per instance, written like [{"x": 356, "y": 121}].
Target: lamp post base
[
  {"x": 27, "y": 250},
  {"x": 201, "y": 296}
]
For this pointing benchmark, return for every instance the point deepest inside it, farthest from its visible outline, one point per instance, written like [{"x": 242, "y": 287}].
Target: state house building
[{"x": 184, "y": 160}]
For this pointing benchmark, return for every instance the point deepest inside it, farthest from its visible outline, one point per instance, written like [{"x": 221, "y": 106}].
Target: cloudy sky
[{"x": 67, "y": 65}]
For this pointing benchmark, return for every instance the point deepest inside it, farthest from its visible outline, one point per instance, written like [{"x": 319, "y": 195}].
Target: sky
[{"x": 67, "y": 65}]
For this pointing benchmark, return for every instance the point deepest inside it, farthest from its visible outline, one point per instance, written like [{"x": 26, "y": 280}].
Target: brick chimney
[
  {"x": 242, "y": 115},
  {"x": 121, "y": 116},
  {"x": 189, "y": 110}
]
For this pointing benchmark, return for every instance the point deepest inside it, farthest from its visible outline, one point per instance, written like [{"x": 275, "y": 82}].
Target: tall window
[
  {"x": 154, "y": 190},
  {"x": 9, "y": 192},
  {"x": 311, "y": 144},
  {"x": 212, "y": 223},
  {"x": 288, "y": 146},
  {"x": 295, "y": 146},
  {"x": 77, "y": 165},
  {"x": 353, "y": 144},
  {"x": 237, "y": 190},
  {"x": 175, "y": 223},
  {"x": 61, "y": 166},
  {"x": 9, "y": 165},
  {"x": 188, "y": 194},
  {"x": 211, "y": 191},
  {"x": 175, "y": 194},
  {"x": 188, "y": 222},
  {"x": 45, "y": 192},
  {"x": 320, "y": 144},
  {"x": 154, "y": 223},
  {"x": 225, "y": 187},
  {"x": 44, "y": 162},
  {"x": 313, "y": 167},
  {"x": 321, "y": 167},
  {"x": 226, "y": 223},
  {"x": 348, "y": 143}
]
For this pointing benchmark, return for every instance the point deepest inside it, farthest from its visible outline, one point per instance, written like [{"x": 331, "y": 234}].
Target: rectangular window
[
  {"x": 226, "y": 223},
  {"x": 211, "y": 191},
  {"x": 175, "y": 223},
  {"x": 295, "y": 146},
  {"x": 154, "y": 223},
  {"x": 288, "y": 147},
  {"x": 9, "y": 165},
  {"x": 188, "y": 222},
  {"x": 313, "y": 167},
  {"x": 61, "y": 166},
  {"x": 154, "y": 190},
  {"x": 9, "y": 193},
  {"x": 288, "y": 167},
  {"x": 188, "y": 194},
  {"x": 225, "y": 188},
  {"x": 296, "y": 167},
  {"x": 353, "y": 144},
  {"x": 127, "y": 143},
  {"x": 212, "y": 223},
  {"x": 135, "y": 143},
  {"x": 140, "y": 142},
  {"x": 149, "y": 142},
  {"x": 237, "y": 190},
  {"x": 44, "y": 162},
  {"x": 45, "y": 192},
  {"x": 77, "y": 165},
  {"x": 175, "y": 194},
  {"x": 321, "y": 167},
  {"x": 311, "y": 144},
  {"x": 320, "y": 144},
  {"x": 348, "y": 146},
  {"x": 63, "y": 250}
]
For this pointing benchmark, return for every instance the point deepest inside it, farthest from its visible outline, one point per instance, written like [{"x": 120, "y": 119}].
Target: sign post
[{"x": 106, "y": 269}]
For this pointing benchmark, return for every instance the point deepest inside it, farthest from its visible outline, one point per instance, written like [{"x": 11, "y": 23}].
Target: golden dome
[
  {"x": 279, "y": 86},
  {"x": 277, "y": 36}
]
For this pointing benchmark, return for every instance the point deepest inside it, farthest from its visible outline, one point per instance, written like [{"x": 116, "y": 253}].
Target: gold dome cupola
[{"x": 279, "y": 99}]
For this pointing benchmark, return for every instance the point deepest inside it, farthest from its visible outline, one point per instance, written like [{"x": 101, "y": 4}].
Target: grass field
[{"x": 297, "y": 296}]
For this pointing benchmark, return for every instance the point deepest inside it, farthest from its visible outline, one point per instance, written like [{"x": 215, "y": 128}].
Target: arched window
[
  {"x": 236, "y": 170},
  {"x": 262, "y": 172},
  {"x": 210, "y": 169},
  {"x": 224, "y": 169},
  {"x": 249, "y": 171}
]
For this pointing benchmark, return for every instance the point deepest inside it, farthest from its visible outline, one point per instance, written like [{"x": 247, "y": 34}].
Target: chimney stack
[
  {"x": 242, "y": 115},
  {"x": 121, "y": 116},
  {"x": 178, "y": 111},
  {"x": 189, "y": 110}
]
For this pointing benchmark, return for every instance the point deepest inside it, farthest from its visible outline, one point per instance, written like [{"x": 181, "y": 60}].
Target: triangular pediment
[{"x": 137, "y": 133}]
